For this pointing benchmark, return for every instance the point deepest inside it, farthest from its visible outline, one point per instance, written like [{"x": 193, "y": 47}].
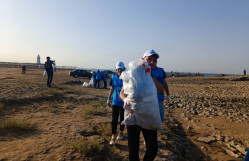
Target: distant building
[{"x": 38, "y": 59}]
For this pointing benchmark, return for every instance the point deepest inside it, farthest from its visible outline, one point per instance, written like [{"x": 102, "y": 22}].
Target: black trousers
[
  {"x": 97, "y": 83},
  {"x": 94, "y": 83},
  {"x": 105, "y": 84},
  {"x": 116, "y": 112},
  {"x": 150, "y": 137},
  {"x": 50, "y": 77}
]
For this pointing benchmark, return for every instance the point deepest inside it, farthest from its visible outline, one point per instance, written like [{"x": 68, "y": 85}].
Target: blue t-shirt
[
  {"x": 104, "y": 76},
  {"x": 98, "y": 75},
  {"x": 160, "y": 75},
  {"x": 117, "y": 84},
  {"x": 94, "y": 76}
]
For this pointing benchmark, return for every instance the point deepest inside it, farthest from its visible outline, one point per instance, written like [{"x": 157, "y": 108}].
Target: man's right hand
[
  {"x": 127, "y": 106},
  {"x": 108, "y": 102}
]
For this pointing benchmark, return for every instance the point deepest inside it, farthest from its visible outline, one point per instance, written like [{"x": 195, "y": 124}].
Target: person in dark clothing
[
  {"x": 23, "y": 69},
  {"x": 98, "y": 78},
  {"x": 49, "y": 69},
  {"x": 105, "y": 79}
]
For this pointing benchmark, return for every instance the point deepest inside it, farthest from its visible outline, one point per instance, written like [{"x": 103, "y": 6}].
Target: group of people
[
  {"x": 98, "y": 76},
  {"x": 158, "y": 76},
  {"x": 118, "y": 102},
  {"x": 133, "y": 131}
]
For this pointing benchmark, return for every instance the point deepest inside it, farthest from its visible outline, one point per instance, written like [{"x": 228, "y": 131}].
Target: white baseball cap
[
  {"x": 120, "y": 65},
  {"x": 150, "y": 52}
]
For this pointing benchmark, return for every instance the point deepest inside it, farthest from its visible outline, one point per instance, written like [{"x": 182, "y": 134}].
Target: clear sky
[{"x": 209, "y": 36}]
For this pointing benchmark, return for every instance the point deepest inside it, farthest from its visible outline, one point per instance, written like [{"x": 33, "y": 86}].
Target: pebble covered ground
[{"x": 206, "y": 120}]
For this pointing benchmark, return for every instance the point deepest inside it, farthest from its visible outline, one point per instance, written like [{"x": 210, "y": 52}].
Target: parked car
[{"x": 80, "y": 73}]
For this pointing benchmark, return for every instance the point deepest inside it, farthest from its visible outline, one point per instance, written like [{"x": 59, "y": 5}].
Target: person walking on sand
[
  {"x": 117, "y": 104},
  {"x": 49, "y": 69},
  {"x": 150, "y": 135},
  {"x": 23, "y": 69},
  {"x": 160, "y": 76},
  {"x": 244, "y": 71}
]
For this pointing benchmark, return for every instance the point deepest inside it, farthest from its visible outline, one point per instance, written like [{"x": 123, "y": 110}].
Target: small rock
[
  {"x": 219, "y": 137},
  {"x": 189, "y": 128},
  {"x": 246, "y": 143},
  {"x": 183, "y": 115},
  {"x": 227, "y": 139},
  {"x": 231, "y": 148},
  {"x": 187, "y": 118},
  {"x": 241, "y": 148},
  {"x": 207, "y": 140},
  {"x": 203, "y": 148},
  {"x": 180, "y": 105},
  {"x": 229, "y": 152}
]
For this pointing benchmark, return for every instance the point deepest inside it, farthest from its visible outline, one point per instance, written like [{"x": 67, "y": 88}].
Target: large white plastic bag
[
  {"x": 142, "y": 95},
  {"x": 85, "y": 84},
  {"x": 91, "y": 83}
]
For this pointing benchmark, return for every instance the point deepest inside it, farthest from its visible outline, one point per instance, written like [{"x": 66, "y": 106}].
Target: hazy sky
[{"x": 189, "y": 35}]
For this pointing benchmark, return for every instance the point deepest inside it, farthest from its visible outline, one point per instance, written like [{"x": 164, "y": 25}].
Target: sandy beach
[{"x": 207, "y": 119}]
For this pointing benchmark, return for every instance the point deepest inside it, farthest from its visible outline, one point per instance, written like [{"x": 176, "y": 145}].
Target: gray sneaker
[{"x": 120, "y": 136}]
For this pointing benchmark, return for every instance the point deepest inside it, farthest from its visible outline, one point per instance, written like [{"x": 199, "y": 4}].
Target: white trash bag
[
  {"x": 142, "y": 95},
  {"x": 44, "y": 73},
  {"x": 85, "y": 84},
  {"x": 91, "y": 82}
]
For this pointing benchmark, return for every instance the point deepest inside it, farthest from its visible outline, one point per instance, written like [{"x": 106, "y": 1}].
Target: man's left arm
[
  {"x": 165, "y": 86},
  {"x": 159, "y": 85}
]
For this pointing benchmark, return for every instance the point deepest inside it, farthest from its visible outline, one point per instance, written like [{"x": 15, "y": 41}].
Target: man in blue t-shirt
[
  {"x": 104, "y": 78},
  {"x": 117, "y": 104},
  {"x": 160, "y": 76},
  {"x": 133, "y": 131}
]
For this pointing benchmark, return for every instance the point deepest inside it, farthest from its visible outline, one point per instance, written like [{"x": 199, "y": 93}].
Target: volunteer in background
[
  {"x": 117, "y": 104},
  {"x": 105, "y": 79},
  {"x": 94, "y": 79},
  {"x": 49, "y": 69},
  {"x": 98, "y": 78}
]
